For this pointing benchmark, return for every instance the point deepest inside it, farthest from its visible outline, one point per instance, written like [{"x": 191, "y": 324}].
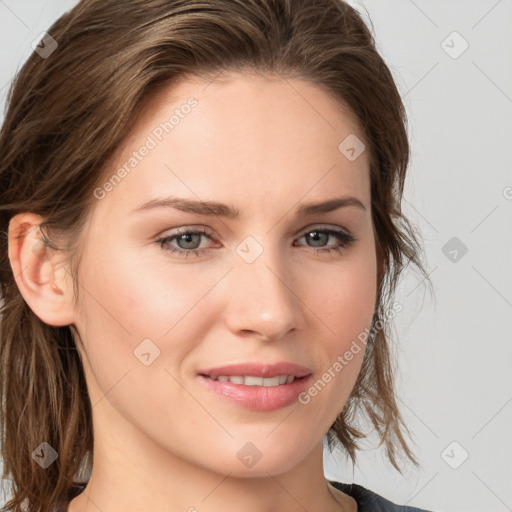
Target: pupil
[
  {"x": 317, "y": 235},
  {"x": 187, "y": 236}
]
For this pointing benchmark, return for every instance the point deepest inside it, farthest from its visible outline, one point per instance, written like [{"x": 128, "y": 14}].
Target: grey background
[{"x": 454, "y": 349}]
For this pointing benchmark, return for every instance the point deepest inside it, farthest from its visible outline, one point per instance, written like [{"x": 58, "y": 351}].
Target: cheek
[
  {"x": 126, "y": 302},
  {"x": 344, "y": 295},
  {"x": 137, "y": 295},
  {"x": 343, "y": 299}
]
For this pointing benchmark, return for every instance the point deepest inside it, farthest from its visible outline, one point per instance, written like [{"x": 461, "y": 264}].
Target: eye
[
  {"x": 321, "y": 235},
  {"x": 188, "y": 241}
]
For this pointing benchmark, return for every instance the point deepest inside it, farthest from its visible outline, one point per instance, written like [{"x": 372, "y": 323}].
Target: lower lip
[{"x": 258, "y": 398}]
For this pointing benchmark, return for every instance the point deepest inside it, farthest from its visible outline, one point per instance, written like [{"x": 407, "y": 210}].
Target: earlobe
[{"x": 44, "y": 284}]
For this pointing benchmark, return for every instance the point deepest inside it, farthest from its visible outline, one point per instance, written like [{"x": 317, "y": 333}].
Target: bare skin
[{"x": 163, "y": 440}]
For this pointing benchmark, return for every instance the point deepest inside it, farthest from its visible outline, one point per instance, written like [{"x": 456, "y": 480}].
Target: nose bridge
[{"x": 261, "y": 293}]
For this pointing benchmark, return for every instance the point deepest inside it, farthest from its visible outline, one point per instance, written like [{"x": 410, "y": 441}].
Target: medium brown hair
[{"x": 69, "y": 112}]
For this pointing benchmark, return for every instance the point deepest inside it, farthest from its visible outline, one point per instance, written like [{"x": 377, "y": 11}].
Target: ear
[{"x": 43, "y": 280}]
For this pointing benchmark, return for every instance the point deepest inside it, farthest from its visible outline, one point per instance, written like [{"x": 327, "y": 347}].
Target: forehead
[
  {"x": 257, "y": 137},
  {"x": 266, "y": 101}
]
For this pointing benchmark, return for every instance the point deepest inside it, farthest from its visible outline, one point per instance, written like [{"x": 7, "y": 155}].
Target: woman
[{"x": 201, "y": 204}]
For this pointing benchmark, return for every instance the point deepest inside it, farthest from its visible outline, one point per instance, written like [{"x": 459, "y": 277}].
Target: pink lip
[
  {"x": 258, "y": 398},
  {"x": 258, "y": 370}
]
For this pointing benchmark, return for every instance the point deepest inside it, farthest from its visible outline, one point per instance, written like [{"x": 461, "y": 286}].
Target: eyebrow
[{"x": 213, "y": 208}]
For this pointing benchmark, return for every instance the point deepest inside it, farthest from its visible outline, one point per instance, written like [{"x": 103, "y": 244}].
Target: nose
[{"x": 261, "y": 298}]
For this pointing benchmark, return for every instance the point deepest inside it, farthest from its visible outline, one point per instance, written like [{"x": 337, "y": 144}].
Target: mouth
[
  {"x": 251, "y": 380},
  {"x": 256, "y": 386}
]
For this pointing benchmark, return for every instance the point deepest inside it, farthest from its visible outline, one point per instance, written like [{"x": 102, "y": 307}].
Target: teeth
[{"x": 249, "y": 380}]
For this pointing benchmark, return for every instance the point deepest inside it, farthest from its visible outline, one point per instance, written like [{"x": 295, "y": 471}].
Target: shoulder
[{"x": 368, "y": 501}]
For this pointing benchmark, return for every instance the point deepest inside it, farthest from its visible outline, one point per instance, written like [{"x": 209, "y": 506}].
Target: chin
[{"x": 255, "y": 461}]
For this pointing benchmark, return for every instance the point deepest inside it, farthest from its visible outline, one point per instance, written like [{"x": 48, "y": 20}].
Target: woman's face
[{"x": 159, "y": 309}]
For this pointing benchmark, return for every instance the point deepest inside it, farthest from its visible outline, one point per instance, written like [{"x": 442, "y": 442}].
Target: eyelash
[{"x": 345, "y": 240}]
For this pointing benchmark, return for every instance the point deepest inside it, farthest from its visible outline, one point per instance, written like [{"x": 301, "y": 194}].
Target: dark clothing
[{"x": 367, "y": 501}]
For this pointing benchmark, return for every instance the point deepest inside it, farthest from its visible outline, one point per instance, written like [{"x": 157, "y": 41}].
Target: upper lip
[{"x": 258, "y": 370}]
